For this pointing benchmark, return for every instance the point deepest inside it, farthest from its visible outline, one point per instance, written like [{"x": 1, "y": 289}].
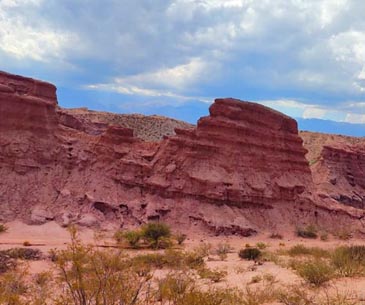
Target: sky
[{"x": 305, "y": 58}]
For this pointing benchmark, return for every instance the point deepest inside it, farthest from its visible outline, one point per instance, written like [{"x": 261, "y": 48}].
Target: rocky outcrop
[
  {"x": 241, "y": 170},
  {"x": 340, "y": 173},
  {"x": 242, "y": 154}
]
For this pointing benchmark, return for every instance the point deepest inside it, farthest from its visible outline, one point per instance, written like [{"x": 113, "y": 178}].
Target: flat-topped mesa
[
  {"x": 27, "y": 87},
  {"x": 243, "y": 153},
  {"x": 252, "y": 113},
  {"x": 27, "y": 105}
]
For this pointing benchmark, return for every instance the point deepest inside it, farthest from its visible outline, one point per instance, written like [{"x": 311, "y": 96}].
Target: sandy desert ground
[{"x": 240, "y": 273}]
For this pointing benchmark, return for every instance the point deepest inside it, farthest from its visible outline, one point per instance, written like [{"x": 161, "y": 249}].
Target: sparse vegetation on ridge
[{"x": 307, "y": 232}]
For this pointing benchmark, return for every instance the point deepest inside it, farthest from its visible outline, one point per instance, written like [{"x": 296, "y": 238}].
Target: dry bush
[
  {"x": 249, "y": 253},
  {"x": 314, "y": 271},
  {"x": 255, "y": 279},
  {"x": 89, "y": 276},
  {"x": 295, "y": 295},
  {"x": 23, "y": 253},
  {"x": 269, "y": 256},
  {"x": 6, "y": 263},
  {"x": 299, "y": 295},
  {"x": 307, "y": 232},
  {"x": 324, "y": 236},
  {"x": 132, "y": 237},
  {"x": 215, "y": 276},
  {"x": 13, "y": 287},
  {"x": 349, "y": 260},
  {"x": 3, "y": 228},
  {"x": 261, "y": 245},
  {"x": 182, "y": 289},
  {"x": 171, "y": 259},
  {"x": 222, "y": 250},
  {"x": 337, "y": 298},
  {"x": 276, "y": 236},
  {"x": 343, "y": 234},
  {"x": 317, "y": 252},
  {"x": 258, "y": 295},
  {"x": 203, "y": 250},
  {"x": 180, "y": 238}
]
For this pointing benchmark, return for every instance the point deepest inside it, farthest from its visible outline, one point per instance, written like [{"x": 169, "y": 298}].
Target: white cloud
[
  {"x": 313, "y": 50},
  {"x": 355, "y": 118},
  {"x": 178, "y": 77},
  {"x": 314, "y": 113},
  {"x": 24, "y": 38},
  {"x": 351, "y": 112},
  {"x": 166, "y": 82}
]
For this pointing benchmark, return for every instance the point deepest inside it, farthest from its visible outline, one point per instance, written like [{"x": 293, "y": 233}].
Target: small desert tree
[{"x": 155, "y": 233}]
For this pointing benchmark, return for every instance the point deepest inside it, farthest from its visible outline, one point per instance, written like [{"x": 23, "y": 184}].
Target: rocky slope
[
  {"x": 338, "y": 167},
  {"x": 241, "y": 170},
  {"x": 149, "y": 128}
]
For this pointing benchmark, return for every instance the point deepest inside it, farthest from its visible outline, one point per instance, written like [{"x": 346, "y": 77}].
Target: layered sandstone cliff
[{"x": 241, "y": 170}]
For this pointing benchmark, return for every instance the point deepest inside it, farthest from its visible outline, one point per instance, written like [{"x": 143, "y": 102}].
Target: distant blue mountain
[{"x": 327, "y": 126}]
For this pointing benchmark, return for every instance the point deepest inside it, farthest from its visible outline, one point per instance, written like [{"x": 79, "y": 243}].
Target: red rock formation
[
  {"x": 340, "y": 173},
  {"x": 243, "y": 153},
  {"x": 241, "y": 170}
]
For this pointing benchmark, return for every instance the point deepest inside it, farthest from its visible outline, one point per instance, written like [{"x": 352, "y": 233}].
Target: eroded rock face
[
  {"x": 340, "y": 173},
  {"x": 242, "y": 154},
  {"x": 242, "y": 169}
]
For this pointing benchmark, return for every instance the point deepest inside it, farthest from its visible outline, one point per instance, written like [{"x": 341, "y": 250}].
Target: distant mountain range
[
  {"x": 327, "y": 126},
  {"x": 191, "y": 111}
]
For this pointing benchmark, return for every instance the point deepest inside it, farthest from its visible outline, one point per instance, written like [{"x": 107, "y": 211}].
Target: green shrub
[
  {"x": 152, "y": 232},
  {"x": 132, "y": 237},
  {"x": 307, "y": 232},
  {"x": 250, "y": 253},
  {"x": 316, "y": 272}
]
